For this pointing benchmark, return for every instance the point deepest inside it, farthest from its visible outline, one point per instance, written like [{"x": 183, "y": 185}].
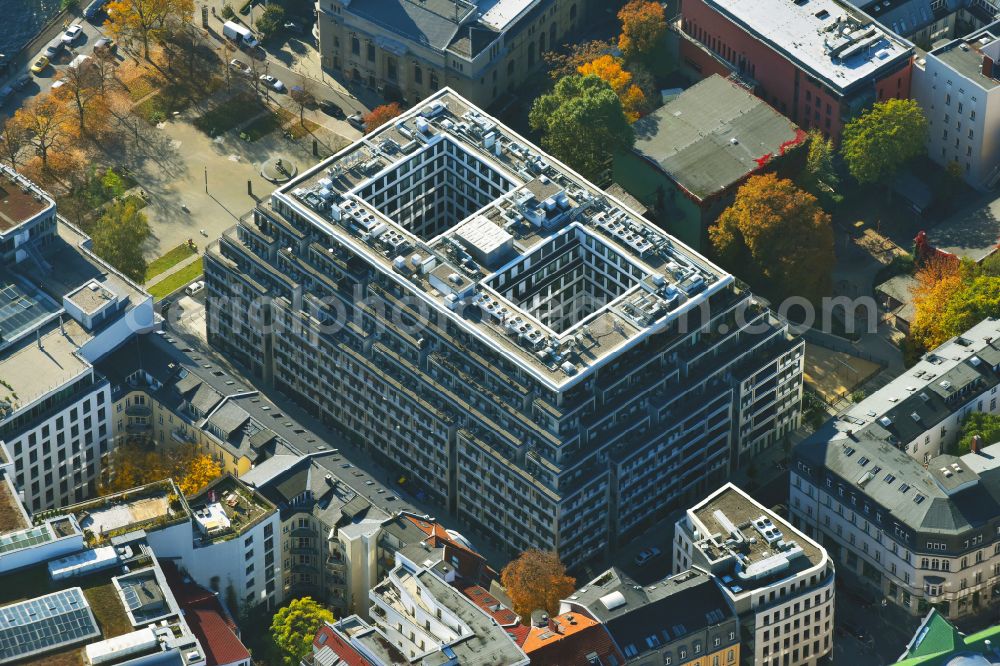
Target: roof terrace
[{"x": 227, "y": 508}]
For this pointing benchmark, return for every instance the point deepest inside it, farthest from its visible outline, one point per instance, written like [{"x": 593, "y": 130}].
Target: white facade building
[
  {"x": 958, "y": 88},
  {"x": 779, "y": 580}
]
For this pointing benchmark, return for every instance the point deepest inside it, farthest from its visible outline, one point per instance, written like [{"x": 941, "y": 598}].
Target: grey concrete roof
[
  {"x": 205, "y": 398},
  {"x": 431, "y": 22},
  {"x": 712, "y": 135},
  {"x": 229, "y": 418}
]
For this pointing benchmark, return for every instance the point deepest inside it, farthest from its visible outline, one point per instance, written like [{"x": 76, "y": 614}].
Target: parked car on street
[
  {"x": 357, "y": 121},
  {"x": 194, "y": 287},
  {"x": 105, "y": 44},
  {"x": 644, "y": 556},
  {"x": 73, "y": 33},
  {"x": 39, "y": 65},
  {"x": 329, "y": 108},
  {"x": 54, "y": 48},
  {"x": 292, "y": 26},
  {"x": 21, "y": 82},
  {"x": 272, "y": 83},
  {"x": 240, "y": 67}
]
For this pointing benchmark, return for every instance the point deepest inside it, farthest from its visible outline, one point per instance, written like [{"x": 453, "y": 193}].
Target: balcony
[
  {"x": 138, "y": 410},
  {"x": 138, "y": 427}
]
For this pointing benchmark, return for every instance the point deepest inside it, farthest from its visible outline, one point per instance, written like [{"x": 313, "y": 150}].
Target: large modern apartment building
[
  {"x": 820, "y": 63},
  {"x": 61, "y": 309},
  {"x": 902, "y": 515},
  {"x": 409, "y": 49},
  {"x": 548, "y": 365}
]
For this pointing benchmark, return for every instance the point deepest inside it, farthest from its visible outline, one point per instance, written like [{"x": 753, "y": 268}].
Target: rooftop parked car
[
  {"x": 39, "y": 65},
  {"x": 73, "y": 33},
  {"x": 272, "y": 82},
  {"x": 646, "y": 555}
]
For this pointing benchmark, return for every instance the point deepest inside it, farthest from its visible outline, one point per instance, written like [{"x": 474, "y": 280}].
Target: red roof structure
[
  {"x": 327, "y": 637},
  {"x": 208, "y": 620}
]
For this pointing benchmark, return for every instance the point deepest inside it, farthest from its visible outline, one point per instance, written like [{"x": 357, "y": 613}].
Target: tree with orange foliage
[
  {"x": 381, "y": 114},
  {"x": 82, "y": 92},
  {"x": 777, "y": 238},
  {"x": 131, "y": 465},
  {"x": 609, "y": 68},
  {"x": 536, "y": 580},
  {"x": 643, "y": 26},
  {"x": 200, "y": 472},
  {"x": 12, "y": 142},
  {"x": 564, "y": 64},
  {"x": 146, "y": 20},
  {"x": 44, "y": 121}
]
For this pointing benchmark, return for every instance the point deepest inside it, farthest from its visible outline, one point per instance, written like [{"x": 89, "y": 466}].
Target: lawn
[
  {"x": 171, "y": 258},
  {"x": 172, "y": 283},
  {"x": 227, "y": 115},
  {"x": 299, "y": 130},
  {"x": 107, "y": 607},
  {"x": 261, "y": 127},
  {"x": 142, "y": 86}
]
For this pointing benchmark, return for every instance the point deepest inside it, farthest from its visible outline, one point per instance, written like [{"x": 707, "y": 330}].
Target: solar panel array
[
  {"x": 45, "y": 623},
  {"x": 20, "y": 309},
  {"x": 24, "y": 539}
]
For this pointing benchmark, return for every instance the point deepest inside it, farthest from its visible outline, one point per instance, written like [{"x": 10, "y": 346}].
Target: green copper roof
[{"x": 937, "y": 641}]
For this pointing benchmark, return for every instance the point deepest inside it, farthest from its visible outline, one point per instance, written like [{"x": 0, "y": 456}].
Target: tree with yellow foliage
[
  {"x": 777, "y": 238},
  {"x": 44, "y": 122},
  {"x": 200, "y": 472},
  {"x": 643, "y": 26},
  {"x": 536, "y": 580},
  {"x": 609, "y": 68},
  {"x": 146, "y": 20}
]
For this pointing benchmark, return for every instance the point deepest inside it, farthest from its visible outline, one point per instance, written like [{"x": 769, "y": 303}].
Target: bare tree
[
  {"x": 227, "y": 54},
  {"x": 13, "y": 140},
  {"x": 303, "y": 96},
  {"x": 104, "y": 65},
  {"x": 82, "y": 89}
]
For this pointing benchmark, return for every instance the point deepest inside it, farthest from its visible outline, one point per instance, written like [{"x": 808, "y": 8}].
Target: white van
[{"x": 240, "y": 34}]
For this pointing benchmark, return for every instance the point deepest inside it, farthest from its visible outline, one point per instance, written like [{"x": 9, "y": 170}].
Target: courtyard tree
[
  {"x": 643, "y": 26},
  {"x": 536, "y": 580},
  {"x": 294, "y": 627},
  {"x": 146, "y": 20},
  {"x": 199, "y": 472},
  {"x": 877, "y": 143},
  {"x": 13, "y": 140},
  {"x": 45, "y": 124},
  {"x": 381, "y": 114},
  {"x": 118, "y": 237},
  {"x": 609, "y": 69},
  {"x": 583, "y": 123},
  {"x": 571, "y": 57},
  {"x": 777, "y": 236},
  {"x": 82, "y": 92},
  {"x": 819, "y": 169}
]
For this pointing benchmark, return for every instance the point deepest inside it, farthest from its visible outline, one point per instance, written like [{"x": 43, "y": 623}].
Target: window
[
  {"x": 355, "y": 45},
  {"x": 418, "y": 75}
]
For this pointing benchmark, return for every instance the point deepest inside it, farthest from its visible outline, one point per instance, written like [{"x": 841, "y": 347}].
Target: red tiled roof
[
  {"x": 217, "y": 639},
  {"x": 504, "y": 616},
  {"x": 209, "y": 622},
  {"x": 574, "y": 648},
  {"x": 519, "y": 632},
  {"x": 471, "y": 565},
  {"x": 327, "y": 637}
]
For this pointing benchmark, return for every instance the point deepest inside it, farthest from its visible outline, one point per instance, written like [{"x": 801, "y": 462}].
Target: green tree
[
  {"x": 776, "y": 237},
  {"x": 270, "y": 20},
  {"x": 112, "y": 184},
  {"x": 119, "y": 235},
  {"x": 877, "y": 143},
  {"x": 582, "y": 123},
  {"x": 294, "y": 627},
  {"x": 819, "y": 163},
  {"x": 984, "y": 424}
]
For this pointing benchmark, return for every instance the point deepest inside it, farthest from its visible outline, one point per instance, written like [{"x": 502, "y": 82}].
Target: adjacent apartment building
[
  {"x": 881, "y": 488},
  {"x": 409, "y": 49},
  {"x": 820, "y": 62},
  {"x": 959, "y": 91},
  {"x": 547, "y": 364},
  {"x": 778, "y": 579},
  {"x": 61, "y": 309}
]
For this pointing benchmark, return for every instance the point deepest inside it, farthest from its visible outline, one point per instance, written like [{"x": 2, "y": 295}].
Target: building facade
[
  {"x": 819, "y": 63},
  {"x": 409, "y": 49},
  {"x": 779, "y": 581},
  {"x": 915, "y": 527},
  {"x": 956, "y": 86},
  {"x": 553, "y": 369},
  {"x": 55, "y": 410}
]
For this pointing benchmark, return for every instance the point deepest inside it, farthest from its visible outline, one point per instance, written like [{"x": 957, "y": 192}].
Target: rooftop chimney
[
  {"x": 987, "y": 69},
  {"x": 976, "y": 443}
]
